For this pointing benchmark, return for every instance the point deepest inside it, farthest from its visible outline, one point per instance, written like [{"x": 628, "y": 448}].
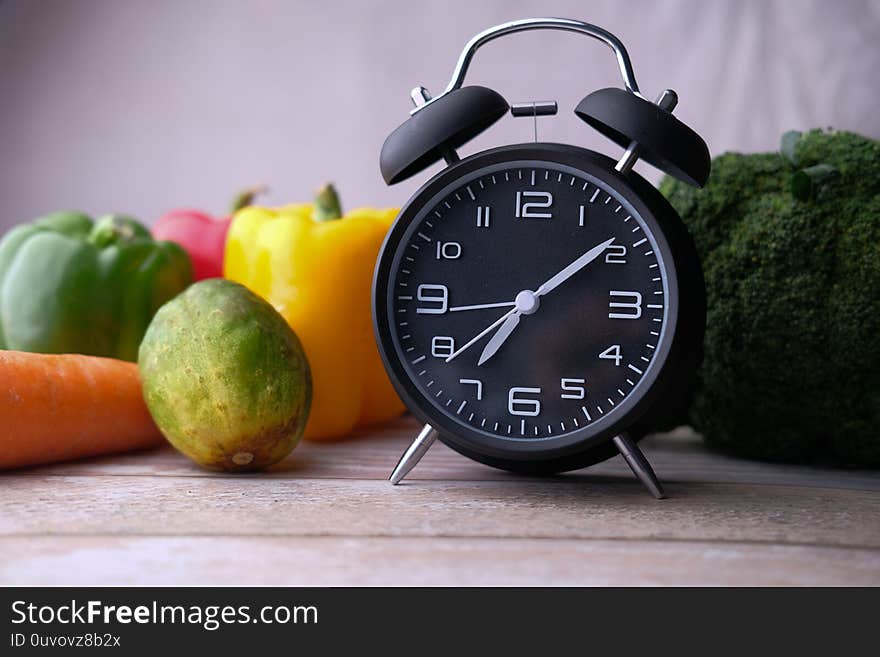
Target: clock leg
[
  {"x": 414, "y": 453},
  {"x": 639, "y": 464}
]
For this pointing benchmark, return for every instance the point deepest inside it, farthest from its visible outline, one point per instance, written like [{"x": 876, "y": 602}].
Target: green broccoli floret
[{"x": 790, "y": 246}]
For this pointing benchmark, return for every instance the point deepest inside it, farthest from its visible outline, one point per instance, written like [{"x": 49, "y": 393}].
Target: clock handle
[
  {"x": 414, "y": 453},
  {"x": 639, "y": 464},
  {"x": 523, "y": 25}
]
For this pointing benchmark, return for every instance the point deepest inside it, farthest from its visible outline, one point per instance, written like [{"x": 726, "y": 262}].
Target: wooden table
[{"x": 327, "y": 516}]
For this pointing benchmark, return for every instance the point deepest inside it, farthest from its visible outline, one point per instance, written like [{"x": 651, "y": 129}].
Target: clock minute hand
[
  {"x": 530, "y": 300},
  {"x": 557, "y": 280}
]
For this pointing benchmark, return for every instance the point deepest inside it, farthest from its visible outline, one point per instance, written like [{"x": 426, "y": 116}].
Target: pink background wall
[{"x": 141, "y": 106}]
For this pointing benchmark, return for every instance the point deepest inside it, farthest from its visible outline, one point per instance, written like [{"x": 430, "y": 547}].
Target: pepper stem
[
  {"x": 246, "y": 197},
  {"x": 327, "y": 206}
]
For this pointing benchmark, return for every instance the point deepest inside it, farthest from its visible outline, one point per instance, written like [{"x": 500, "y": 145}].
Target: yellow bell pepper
[{"x": 315, "y": 267}]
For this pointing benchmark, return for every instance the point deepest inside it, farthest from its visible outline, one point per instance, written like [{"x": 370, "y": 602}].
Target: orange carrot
[{"x": 59, "y": 407}]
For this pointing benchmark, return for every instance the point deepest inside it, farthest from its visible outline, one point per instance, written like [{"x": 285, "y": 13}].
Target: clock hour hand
[
  {"x": 527, "y": 303},
  {"x": 498, "y": 339},
  {"x": 480, "y": 335},
  {"x": 573, "y": 268}
]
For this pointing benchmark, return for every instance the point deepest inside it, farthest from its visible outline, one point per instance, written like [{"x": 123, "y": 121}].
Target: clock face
[{"x": 526, "y": 302}]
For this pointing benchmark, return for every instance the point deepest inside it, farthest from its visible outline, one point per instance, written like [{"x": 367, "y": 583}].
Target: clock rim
[{"x": 577, "y": 448}]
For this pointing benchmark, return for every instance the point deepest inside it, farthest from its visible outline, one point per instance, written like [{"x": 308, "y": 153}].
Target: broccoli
[{"x": 790, "y": 246}]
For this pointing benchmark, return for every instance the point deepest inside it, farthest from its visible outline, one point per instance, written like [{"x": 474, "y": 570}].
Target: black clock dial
[
  {"x": 526, "y": 304},
  {"x": 528, "y": 301}
]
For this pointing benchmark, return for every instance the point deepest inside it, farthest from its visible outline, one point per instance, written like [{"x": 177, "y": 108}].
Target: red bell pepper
[{"x": 201, "y": 235}]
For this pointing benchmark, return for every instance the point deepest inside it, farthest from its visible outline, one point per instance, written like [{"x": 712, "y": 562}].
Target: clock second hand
[{"x": 482, "y": 333}]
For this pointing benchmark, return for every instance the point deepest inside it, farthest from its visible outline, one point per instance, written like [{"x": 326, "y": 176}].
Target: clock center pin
[{"x": 527, "y": 302}]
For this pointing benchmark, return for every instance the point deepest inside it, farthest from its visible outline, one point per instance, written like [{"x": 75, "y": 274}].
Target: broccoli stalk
[{"x": 790, "y": 245}]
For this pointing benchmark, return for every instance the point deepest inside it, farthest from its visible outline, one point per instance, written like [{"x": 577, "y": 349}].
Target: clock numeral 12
[
  {"x": 527, "y": 210},
  {"x": 482, "y": 216}
]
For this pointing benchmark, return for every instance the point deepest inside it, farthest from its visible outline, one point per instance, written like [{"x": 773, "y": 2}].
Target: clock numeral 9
[
  {"x": 437, "y": 295},
  {"x": 572, "y": 388},
  {"x": 523, "y": 405},
  {"x": 633, "y": 306},
  {"x": 442, "y": 346},
  {"x": 448, "y": 250},
  {"x": 527, "y": 210},
  {"x": 612, "y": 353}
]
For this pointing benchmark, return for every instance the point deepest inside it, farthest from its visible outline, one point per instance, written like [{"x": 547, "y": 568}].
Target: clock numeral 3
[
  {"x": 612, "y": 353},
  {"x": 523, "y": 405},
  {"x": 615, "y": 254},
  {"x": 526, "y": 210},
  {"x": 633, "y": 306},
  {"x": 442, "y": 346},
  {"x": 573, "y": 388},
  {"x": 448, "y": 250},
  {"x": 437, "y": 295}
]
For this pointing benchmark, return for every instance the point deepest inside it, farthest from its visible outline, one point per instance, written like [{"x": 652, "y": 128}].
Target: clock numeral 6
[
  {"x": 436, "y": 295},
  {"x": 442, "y": 346},
  {"x": 523, "y": 405},
  {"x": 633, "y": 305},
  {"x": 572, "y": 388},
  {"x": 448, "y": 250},
  {"x": 527, "y": 210},
  {"x": 612, "y": 353},
  {"x": 615, "y": 254}
]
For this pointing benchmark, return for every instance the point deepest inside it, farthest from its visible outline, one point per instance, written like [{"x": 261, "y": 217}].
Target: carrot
[{"x": 59, "y": 407}]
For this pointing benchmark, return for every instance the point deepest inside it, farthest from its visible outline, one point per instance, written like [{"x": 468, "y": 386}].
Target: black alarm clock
[{"x": 540, "y": 306}]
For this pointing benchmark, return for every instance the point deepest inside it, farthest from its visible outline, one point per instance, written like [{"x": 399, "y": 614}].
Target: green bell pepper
[{"x": 71, "y": 285}]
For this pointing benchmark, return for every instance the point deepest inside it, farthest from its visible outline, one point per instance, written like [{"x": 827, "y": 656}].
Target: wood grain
[
  {"x": 328, "y": 516},
  {"x": 600, "y": 508},
  {"x": 322, "y": 561},
  {"x": 679, "y": 456}
]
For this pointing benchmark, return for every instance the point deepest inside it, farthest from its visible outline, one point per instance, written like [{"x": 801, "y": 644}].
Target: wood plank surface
[
  {"x": 323, "y": 561},
  {"x": 606, "y": 508},
  {"x": 327, "y": 516},
  {"x": 680, "y": 456}
]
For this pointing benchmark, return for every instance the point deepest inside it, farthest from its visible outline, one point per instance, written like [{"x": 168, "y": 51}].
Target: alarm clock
[{"x": 540, "y": 307}]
